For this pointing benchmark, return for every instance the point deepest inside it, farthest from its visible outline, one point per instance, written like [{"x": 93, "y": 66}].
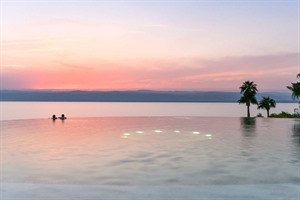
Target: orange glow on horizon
[
  {"x": 157, "y": 75},
  {"x": 103, "y": 45}
]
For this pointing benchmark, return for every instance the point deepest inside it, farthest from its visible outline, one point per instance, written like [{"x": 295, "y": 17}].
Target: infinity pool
[{"x": 141, "y": 158}]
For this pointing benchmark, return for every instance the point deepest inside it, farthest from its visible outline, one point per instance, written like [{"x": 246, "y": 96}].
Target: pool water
[{"x": 151, "y": 158}]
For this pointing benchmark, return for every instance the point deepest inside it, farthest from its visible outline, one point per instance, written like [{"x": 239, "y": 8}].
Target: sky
[{"x": 155, "y": 45}]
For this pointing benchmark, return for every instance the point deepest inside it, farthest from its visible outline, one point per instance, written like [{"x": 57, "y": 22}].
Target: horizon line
[{"x": 138, "y": 90}]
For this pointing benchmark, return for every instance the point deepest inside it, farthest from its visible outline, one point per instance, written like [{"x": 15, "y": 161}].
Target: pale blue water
[{"x": 150, "y": 158}]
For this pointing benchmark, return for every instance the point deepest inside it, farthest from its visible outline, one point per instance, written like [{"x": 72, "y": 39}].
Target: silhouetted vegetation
[
  {"x": 248, "y": 91},
  {"x": 267, "y": 103},
  {"x": 284, "y": 115},
  {"x": 295, "y": 88}
]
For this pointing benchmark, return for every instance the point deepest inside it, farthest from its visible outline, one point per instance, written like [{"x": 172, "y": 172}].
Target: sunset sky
[{"x": 158, "y": 45}]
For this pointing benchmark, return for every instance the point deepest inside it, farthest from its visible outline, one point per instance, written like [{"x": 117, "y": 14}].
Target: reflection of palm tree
[
  {"x": 295, "y": 88},
  {"x": 296, "y": 129},
  {"x": 249, "y": 90},
  {"x": 267, "y": 103},
  {"x": 296, "y": 138},
  {"x": 248, "y": 126}
]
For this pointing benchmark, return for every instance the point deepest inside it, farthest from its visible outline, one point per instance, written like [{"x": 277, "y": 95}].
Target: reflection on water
[
  {"x": 248, "y": 125},
  {"x": 296, "y": 129},
  {"x": 150, "y": 151},
  {"x": 296, "y": 139},
  {"x": 23, "y": 110}
]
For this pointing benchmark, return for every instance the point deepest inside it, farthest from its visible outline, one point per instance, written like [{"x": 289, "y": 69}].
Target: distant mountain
[{"x": 133, "y": 96}]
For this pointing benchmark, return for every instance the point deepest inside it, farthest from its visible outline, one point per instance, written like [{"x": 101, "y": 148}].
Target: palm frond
[
  {"x": 266, "y": 103},
  {"x": 295, "y": 88}
]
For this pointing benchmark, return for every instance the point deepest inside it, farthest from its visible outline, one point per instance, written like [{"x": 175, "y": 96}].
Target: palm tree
[
  {"x": 295, "y": 88},
  {"x": 249, "y": 90},
  {"x": 267, "y": 103}
]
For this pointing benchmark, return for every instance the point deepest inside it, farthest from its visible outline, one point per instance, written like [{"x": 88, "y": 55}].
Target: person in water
[
  {"x": 54, "y": 117},
  {"x": 62, "y": 117}
]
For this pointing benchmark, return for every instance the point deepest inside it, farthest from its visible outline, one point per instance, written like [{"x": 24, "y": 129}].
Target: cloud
[
  {"x": 23, "y": 45},
  {"x": 270, "y": 72},
  {"x": 59, "y": 21},
  {"x": 17, "y": 42},
  {"x": 11, "y": 65},
  {"x": 155, "y": 25},
  {"x": 74, "y": 66},
  {"x": 41, "y": 45},
  {"x": 251, "y": 63}
]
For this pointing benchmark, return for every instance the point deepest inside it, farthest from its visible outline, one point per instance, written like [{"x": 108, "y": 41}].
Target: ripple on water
[{"x": 92, "y": 151}]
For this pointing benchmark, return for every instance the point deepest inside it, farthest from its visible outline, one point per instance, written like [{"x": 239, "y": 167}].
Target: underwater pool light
[{"x": 139, "y": 131}]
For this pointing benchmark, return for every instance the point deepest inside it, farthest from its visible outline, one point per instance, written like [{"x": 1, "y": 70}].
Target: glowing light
[
  {"x": 158, "y": 131},
  {"x": 176, "y": 131},
  {"x": 139, "y": 131},
  {"x": 125, "y": 135},
  {"x": 196, "y": 133},
  {"x": 208, "y": 135}
]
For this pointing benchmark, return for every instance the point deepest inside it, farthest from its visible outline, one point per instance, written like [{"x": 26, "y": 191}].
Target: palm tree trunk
[
  {"x": 248, "y": 111},
  {"x": 268, "y": 113}
]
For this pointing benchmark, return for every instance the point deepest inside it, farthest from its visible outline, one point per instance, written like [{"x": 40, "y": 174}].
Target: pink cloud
[
  {"x": 271, "y": 72},
  {"x": 59, "y": 21}
]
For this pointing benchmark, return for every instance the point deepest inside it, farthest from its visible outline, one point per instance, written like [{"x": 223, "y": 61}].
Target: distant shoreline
[
  {"x": 216, "y": 102},
  {"x": 135, "y": 96}
]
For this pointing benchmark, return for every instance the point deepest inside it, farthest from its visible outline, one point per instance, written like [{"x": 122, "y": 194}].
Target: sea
[
  {"x": 43, "y": 110},
  {"x": 147, "y": 151}
]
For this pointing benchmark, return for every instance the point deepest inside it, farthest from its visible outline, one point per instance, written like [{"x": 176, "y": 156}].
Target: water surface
[
  {"x": 38, "y": 110},
  {"x": 151, "y": 158}
]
